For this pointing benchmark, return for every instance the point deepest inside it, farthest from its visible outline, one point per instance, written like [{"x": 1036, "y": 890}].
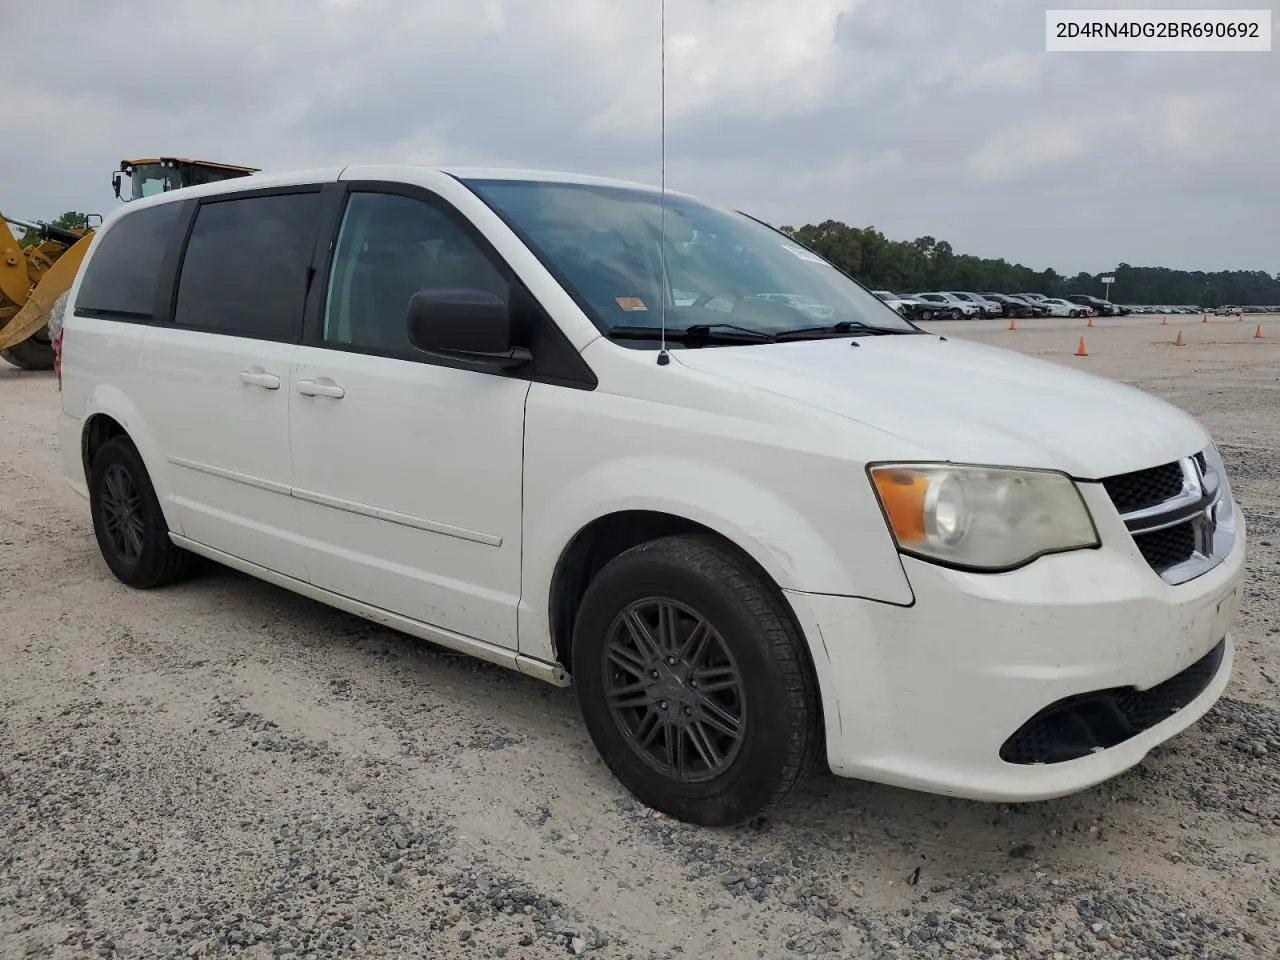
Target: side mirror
[
  {"x": 115, "y": 184},
  {"x": 463, "y": 324}
]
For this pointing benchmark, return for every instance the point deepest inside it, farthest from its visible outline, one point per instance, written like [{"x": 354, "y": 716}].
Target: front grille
[
  {"x": 1083, "y": 724},
  {"x": 1168, "y": 547},
  {"x": 1144, "y": 488}
]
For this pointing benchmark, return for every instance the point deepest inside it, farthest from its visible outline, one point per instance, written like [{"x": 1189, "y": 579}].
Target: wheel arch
[
  {"x": 109, "y": 414},
  {"x": 611, "y": 534}
]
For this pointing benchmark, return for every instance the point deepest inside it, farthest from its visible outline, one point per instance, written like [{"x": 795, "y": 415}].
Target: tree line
[
  {"x": 926, "y": 264},
  {"x": 71, "y": 220}
]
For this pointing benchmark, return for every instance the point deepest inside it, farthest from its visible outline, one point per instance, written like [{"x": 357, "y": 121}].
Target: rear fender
[{"x": 110, "y": 401}]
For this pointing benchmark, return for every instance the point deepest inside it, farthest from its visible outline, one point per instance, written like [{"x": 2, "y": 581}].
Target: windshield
[
  {"x": 152, "y": 178},
  {"x": 603, "y": 244}
]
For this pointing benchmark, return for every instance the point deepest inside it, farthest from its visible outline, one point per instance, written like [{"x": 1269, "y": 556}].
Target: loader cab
[{"x": 160, "y": 174}]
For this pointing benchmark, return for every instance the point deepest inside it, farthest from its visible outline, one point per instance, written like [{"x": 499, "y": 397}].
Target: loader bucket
[{"x": 34, "y": 315}]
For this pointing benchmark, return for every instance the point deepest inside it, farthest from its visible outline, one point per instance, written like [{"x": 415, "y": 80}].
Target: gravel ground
[{"x": 225, "y": 769}]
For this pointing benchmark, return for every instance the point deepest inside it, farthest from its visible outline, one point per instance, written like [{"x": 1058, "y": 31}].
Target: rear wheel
[
  {"x": 34, "y": 353},
  {"x": 695, "y": 685},
  {"x": 127, "y": 520}
]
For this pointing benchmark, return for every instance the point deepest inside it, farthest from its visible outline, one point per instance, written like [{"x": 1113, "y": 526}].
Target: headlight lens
[
  {"x": 983, "y": 518},
  {"x": 1215, "y": 476}
]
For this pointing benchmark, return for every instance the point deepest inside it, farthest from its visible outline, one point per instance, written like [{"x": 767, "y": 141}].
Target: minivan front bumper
[{"x": 930, "y": 696}]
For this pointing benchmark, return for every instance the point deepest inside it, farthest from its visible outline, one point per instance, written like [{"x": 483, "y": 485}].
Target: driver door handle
[
  {"x": 314, "y": 388},
  {"x": 257, "y": 377}
]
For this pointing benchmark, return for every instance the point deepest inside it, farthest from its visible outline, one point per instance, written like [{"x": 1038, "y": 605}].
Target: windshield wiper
[
  {"x": 697, "y": 333},
  {"x": 837, "y": 329}
]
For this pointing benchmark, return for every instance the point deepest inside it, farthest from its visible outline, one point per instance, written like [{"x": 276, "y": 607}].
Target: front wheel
[
  {"x": 955, "y": 313},
  {"x": 34, "y": 353},
  {"x": 695, "y": 685}
]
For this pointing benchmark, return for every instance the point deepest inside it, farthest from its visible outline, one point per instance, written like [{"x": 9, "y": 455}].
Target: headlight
[
  {"x": 982, "y": 518},
  {"x": 1215, "y": 481}
]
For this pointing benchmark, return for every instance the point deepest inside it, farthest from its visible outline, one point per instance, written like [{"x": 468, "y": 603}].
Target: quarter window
[
  {"x": 389, "y": 248},
  {"x": 122, "y": 277},
  {"x": 245, "y": 269}
]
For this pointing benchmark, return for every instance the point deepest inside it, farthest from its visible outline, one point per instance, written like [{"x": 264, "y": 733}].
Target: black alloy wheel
[{"x": 674, "y": 690}]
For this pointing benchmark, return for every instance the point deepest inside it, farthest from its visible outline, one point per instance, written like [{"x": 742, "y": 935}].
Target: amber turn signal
[{"x": 902, "y": 495}]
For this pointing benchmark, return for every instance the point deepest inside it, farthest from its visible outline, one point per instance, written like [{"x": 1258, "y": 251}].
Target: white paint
[{"x": 439, "y": 501}]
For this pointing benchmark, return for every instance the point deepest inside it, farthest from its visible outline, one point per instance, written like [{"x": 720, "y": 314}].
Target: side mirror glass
[
  {"x": 115, "y": 183},
  {"x": 464, "y": 324}
]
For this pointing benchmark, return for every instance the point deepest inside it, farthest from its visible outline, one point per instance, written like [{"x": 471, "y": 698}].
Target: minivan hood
[{"x": 966, "y": 402}]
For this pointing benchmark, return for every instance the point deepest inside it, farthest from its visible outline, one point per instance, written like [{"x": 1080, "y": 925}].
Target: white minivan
[{"x": 551, "y": 421}]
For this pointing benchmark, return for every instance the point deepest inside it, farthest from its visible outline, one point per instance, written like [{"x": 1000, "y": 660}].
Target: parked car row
[
  {"x": 1231, "y": 310},
  {"x": 1165, "y": 310},
  {"x": 962, "y": 304}
]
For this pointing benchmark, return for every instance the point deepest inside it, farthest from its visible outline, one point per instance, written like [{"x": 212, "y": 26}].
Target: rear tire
[
  {"x": 696, "y": 687},
  {"x": 34, "y": 353},
  {"x": 130, "y": 527}
]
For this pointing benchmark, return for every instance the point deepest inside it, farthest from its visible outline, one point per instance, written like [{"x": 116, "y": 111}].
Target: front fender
[{"x": 771, "y": 525}]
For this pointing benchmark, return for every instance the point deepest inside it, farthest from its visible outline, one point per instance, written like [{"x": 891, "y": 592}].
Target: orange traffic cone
[
  {"x": 1164, "y": 321},
  {"x": 1257, "y": 334},
  {"x": 1206, "y": 318},
  {"x": 1090, "y": 323},
  {"x": 1239, "y": 314},
  {"x": 1080, "y": 350},
  {"x": 1013, "y": 324},
  {"x": 1179, "y": 342}
]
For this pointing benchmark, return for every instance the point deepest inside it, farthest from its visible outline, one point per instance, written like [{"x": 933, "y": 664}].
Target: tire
[
  {"x": 34, "y": 353},
  {"x": 955, "y": 313},
  {"x": 118, "y": 483},
  {"x": 773, "y": 693}
]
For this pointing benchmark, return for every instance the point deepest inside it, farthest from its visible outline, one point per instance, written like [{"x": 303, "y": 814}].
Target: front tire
[
  {"x": 34, "y": 353},
  {"x": 696, "y": 687},
  {"x": 130, "y": 527}
]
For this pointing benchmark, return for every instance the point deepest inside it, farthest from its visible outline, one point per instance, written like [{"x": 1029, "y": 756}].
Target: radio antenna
[{"x": 663, "y": 357}]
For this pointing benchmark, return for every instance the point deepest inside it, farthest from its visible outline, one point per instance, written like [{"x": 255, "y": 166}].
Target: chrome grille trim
[{"x": 1205, "y": 503}]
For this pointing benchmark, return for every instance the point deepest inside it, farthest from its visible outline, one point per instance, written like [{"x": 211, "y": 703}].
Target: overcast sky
[{"x": 938, "y": 117}]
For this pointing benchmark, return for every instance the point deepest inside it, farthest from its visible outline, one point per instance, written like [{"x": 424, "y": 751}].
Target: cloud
[
  {"x": 1033, "y": 146},
  {"x": 1016, "y": 70},
  {"x": 916, "y": 116}
]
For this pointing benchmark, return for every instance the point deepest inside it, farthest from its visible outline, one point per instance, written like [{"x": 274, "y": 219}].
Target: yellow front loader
[{"x": 32, "y": 278}]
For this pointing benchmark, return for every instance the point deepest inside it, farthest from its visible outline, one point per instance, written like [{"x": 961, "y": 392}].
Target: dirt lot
[{"x": 225, "y": 769}]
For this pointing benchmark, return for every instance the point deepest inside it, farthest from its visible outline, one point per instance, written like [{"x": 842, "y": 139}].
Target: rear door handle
[
  {"x": 313, "y": 388},
  {"x": 257, "y": 377}
]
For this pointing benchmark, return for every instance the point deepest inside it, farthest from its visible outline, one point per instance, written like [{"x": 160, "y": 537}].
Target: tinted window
[
  {"x": 121, "y": 277},
  {"x": 245, "y": 269},
  {"x": 389, "y": 248}
]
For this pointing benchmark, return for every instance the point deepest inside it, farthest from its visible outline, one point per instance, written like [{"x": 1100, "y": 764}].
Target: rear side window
[
  {"x": 245, "y": 268},
  {"x": 121, "y": 278}
]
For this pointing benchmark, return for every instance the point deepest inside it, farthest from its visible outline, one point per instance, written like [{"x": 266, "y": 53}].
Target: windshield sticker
[
  {"x": 802, "y": 254},
  {"x": 631, "y": 303}
]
